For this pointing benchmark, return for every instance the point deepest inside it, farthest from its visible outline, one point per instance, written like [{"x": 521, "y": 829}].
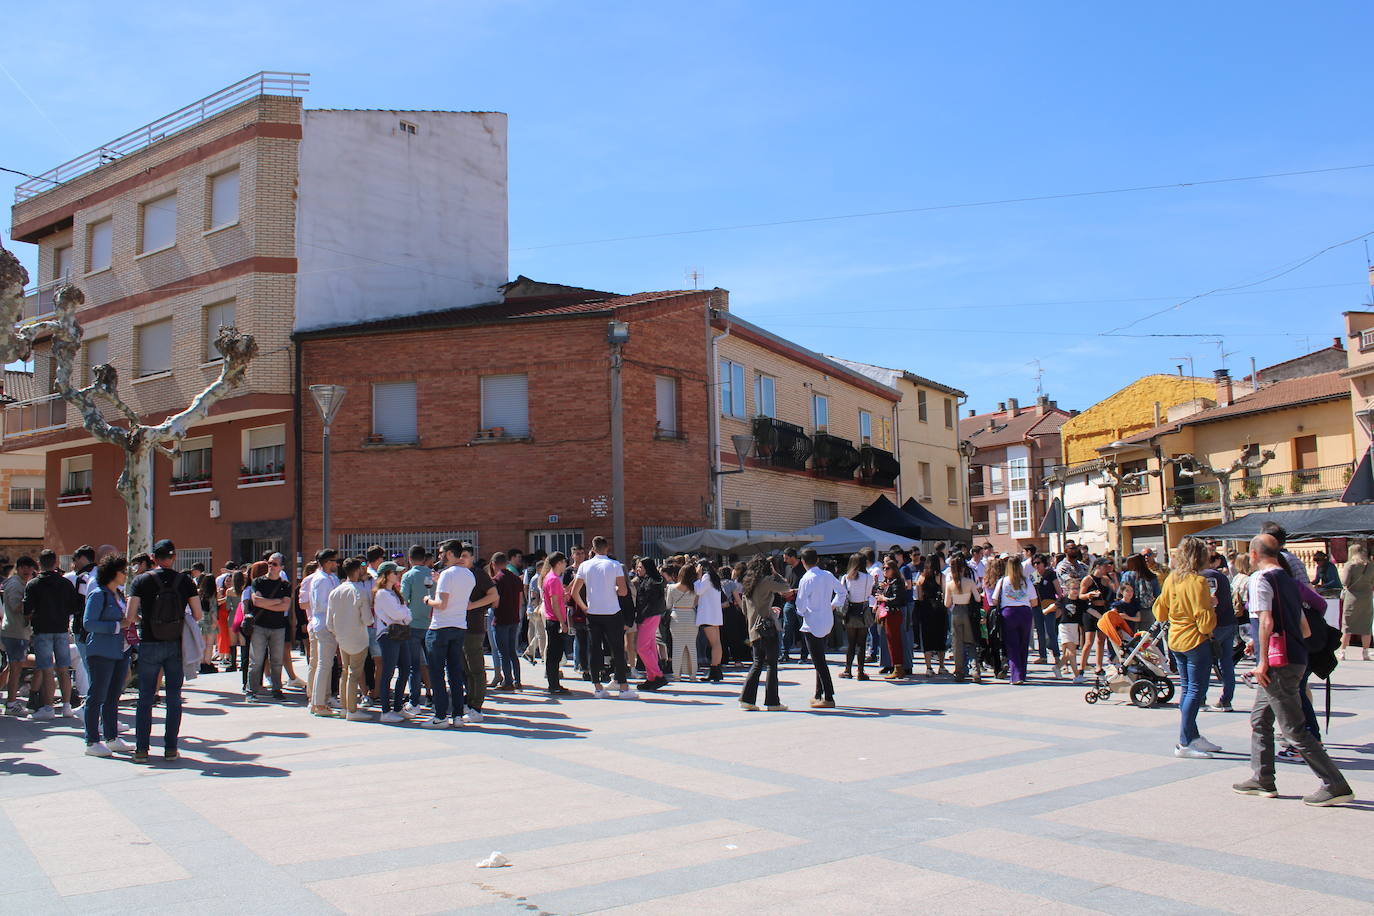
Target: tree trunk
[{"x": 136, "y": 488}]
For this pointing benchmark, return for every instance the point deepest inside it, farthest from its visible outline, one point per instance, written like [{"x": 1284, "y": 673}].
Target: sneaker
[
  {"x": 170, "y": 754},
  {"x": 404, "y": 714},
  {"x": 1325, "y": 797},
  {"x": 44, "y": 713},
  {"x": 297, "y": 683},
  {"x": 141, "y": 755},
  {"x": 601, "y": 693},
  {"x": 1191, "y": 752},
  {"x": 1255, "y": 787},
  {"x": 392, "y": 717},
  {"x": 1202, "y": 744},
  {"x": 67, "y": 711},
  {"x": 822, "y": 704},
  {"x": 410, "y": 709},
  {"x": 434, "y": 723},
  {"x": 207, "y": 668},
  {"x": 748, "y": 707},
  {"x": 324, "y": 712},
  {"x": 368, "y": 702},
  {"x": 1078, "y": 679},
  {"x": 473, "y": 717},
  {"x": 334, "y": 703},
  {"x": 99, "y": 749},
  {"x": 250, "y": 698},
  {"x": 628, "y": 693},
  {"x": 358, "y": 715},
  {"x": 778, "y": 708},
  {"x": 119, "y": 746},
  {"x": 861, "y": 677},
  {"x": 17, "y": 709},
  {"x": 1218, "y": 707}
]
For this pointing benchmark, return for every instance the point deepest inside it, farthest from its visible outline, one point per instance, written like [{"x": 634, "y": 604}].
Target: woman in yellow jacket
[{"x": 1187, "y": 604}]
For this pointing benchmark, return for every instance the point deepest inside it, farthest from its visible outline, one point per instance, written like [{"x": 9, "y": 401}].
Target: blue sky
[{"x": 637, "y": 118}]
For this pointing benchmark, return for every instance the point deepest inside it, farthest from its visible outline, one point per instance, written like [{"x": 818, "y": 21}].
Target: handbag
[
  {"x": 1278, "y": 650},
  {"x": 398, "y": 632}
]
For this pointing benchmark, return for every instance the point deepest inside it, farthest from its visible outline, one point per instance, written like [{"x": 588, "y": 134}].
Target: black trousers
[
  {"x": 765, "y": 657},
  {"x": 607, "y": 632},
  {"x": 553, "y": 651},
  {"x": 825, "y": 688}
]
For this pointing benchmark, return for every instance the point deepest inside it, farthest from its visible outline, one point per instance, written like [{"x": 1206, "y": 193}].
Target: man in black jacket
[{"x": 50, "y": 602}]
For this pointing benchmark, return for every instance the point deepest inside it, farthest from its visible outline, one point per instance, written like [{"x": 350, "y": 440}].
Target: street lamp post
[{"x": 327, "y": 399}]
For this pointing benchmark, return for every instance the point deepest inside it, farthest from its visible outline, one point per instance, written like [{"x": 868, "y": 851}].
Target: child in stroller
[{"x": 1138, "y": 670}]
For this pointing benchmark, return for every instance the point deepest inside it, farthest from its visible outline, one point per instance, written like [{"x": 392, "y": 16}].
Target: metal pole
[
  {"x": 617, "y": 459},
  {"x": 324, "y": 539}
]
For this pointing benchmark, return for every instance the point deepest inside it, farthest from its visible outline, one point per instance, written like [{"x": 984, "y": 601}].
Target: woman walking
[
  {"x": 554, "y": 599},
  {"x": 1187, "y": 605},
  {"x": 711, "y": 615},
  {"x": 931, "y": 617},
  {"x": 961, "y": 595},
  {"x": 760, "y": 586},
  {"x": 107, "y": 658},
  {"x": 649, "y": 590},
  {"x": 1358, "y": 601},
  {"x": 893, "y": 597},
  {"x": 858, "y": 615},
  {"x": 1096, "y": 589},
  {"x": 1015, "y": 597},
  {"x": 681, "y": 601},
  {"x": 393, "y": 635}
]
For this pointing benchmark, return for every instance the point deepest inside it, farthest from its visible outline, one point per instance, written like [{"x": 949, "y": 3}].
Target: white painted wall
[
  {"x": 1081, "y": 495},
  {"x": 389, "y": 223}
]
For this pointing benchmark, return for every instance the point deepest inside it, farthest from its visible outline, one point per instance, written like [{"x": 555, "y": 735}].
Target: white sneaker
[
  {"x": 409, "y": 709},
  {"x": 67, "y": 711},
  {"x": 1191, "y": 752},
  {"x": 334, "y": 703},
  {"x": 434, "y": 723},
  {"x": 473, "y": 716},
  {"x": 392, "y": 717},
  {"x": 297, "y": 683},
  {"x": 406, "y": 713},
  {"x": 17, "y": 709},
  {"x": 456, "y": 722},
  {"x": 601, "y": 693},
  {"x": 1202, "y": 744},
  {"x": 119, "y": 745},
  {"x": 629, "y": 693},
  {"x": 44, "y": 713},
  {"x": 358, "y": 715},
  {"x": 99, "y": 749}
]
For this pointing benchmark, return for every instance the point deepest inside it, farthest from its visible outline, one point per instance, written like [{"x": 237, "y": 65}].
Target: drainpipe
[
  {"x": 897, "y": 447},
  {"x": 299, "y": 533},
  {"x": 1163, "y": 500},
  {"x": 714, "y": 403}
]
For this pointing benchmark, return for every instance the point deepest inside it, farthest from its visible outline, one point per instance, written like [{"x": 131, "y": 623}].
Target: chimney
[
  {"x": 1014, "y": 406},
  {"x": 1042, "y": 405},
  {"x": 1338, "y": 343},
  {"x": 972, "y": 412},
  {"x": 1223, "y": 379},
  {"x": 1158, "y": 413},
  {"x": 992, "y": 421}
]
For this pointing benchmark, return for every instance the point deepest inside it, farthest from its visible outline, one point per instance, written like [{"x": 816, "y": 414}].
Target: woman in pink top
[{"x": 555, "y": 618}]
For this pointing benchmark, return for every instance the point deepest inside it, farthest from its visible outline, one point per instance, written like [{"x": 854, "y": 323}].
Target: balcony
[
  {"x": 265, "y": 475},
  {"x": 35, "y": 416},
  {"x": 836, "y": 457},
  {"x": 975, "y": 489},
  {"x": 781, "y": 444},
  {"x": 877, "y": 467},
  {"x": 1264, "y": 489}
]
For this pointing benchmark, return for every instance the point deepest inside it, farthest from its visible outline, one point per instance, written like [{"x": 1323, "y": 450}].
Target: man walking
[
  {"x": 818, "y": 593},
  {"x": 158, "y": 602},
  {"x": 597, "y": 589},
  {"x": 323, "y": 646},
  {"x": 50, "y": 602},
  {"x": 1275, "y": 600}
]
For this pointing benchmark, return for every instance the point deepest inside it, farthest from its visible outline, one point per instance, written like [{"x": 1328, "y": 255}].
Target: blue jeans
[
  {"x": 1047, "y": 626},
  {"x": 52, "y": 650},
  {"x": 791, "y": 631},
  {"x": 1194, "y": 673},
  {"x": 155, "y": 658},
  {"x": 1224, "y": 638},
  {"x": 102, "y": 700},
  {"x": 447, "y": 675},
  {"x": 417, "y": 660},
  {"x": 877, "y": 640},
  {"x": 395, "y": 654},
  {"x": 507, "y": 643}
]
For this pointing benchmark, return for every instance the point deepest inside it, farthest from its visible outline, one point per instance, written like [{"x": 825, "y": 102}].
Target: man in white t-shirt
[
  {"x": 597, "y": 588},
  {"x": 447, "y": 629}
]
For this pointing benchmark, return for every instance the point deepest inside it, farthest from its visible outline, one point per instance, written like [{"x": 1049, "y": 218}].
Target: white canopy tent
[
  {"x": 727, "y": 540},
  {"x": 844, "y": 535}
]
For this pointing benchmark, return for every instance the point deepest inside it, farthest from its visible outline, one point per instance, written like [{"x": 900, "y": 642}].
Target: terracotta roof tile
[
  {"x": 1010, "y": 430},
  {"x": 20, "y": 385}
]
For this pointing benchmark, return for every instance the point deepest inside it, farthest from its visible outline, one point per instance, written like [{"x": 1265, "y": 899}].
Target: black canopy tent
[
  {"x": 1057, "y": 521},
  {"x": 1361, "y": 486},
  {"x": 1301, "y": 524},
  {"x": 936, "y": 528},
  {"x": 885, "y": 515}
]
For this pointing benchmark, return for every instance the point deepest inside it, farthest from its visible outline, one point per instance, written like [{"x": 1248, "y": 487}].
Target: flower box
[
  {"x": 190, "y": 486},
  {"x": 249, "y": 479}
]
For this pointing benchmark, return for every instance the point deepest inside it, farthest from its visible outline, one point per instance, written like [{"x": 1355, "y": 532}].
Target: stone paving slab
[{"x": 926, "y": 796}]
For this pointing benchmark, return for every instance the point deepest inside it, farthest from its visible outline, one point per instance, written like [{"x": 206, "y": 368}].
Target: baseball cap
[{"x": 164, "y": 548}]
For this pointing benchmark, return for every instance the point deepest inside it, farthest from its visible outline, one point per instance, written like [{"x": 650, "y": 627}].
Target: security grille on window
[
  {"x": 393, "y": 411},
  {"x": 665, "y": 404},
  {"x": 159, "y": 223},
  {"x": 823, "y": 510},
  {"x": 557, "y": 539},
  {"x": 194, "y": 463},
  {"x": 400, "y": 542},
  {"x": 76, "y": 474},
  {"x": 219, "y": 315},
  {"x": 97, "y": 353},
  {"x": 190, "y": 556},
  {"x": 99, "y": 244},
  {"x": 921, "y": 406},
  {"x": 155, "y": 348},
  {"x": 266, "y": 450},
  {"x": 765, "y": 396},
  {"x": 506, "y": 403},
  {"x": 27, "y": 494},
  {"x": 731, "y": 388},
  {"x": 224, "y": 199}
]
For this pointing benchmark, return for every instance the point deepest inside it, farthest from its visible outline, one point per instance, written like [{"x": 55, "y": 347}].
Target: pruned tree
[
  {"x": 1192, "y": 467},
  {"x": 136, "y": 439}
]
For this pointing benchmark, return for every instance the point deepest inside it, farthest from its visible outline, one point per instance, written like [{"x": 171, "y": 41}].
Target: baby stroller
[{"x": 1139, "y": 669}]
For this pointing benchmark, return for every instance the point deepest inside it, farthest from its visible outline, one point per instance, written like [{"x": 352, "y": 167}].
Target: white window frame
[
  {"x": 1018, "y": 475},
  {"x": 78, "y": 464},
  {"x": 765, "y": 395},
  {"x": 1002, "y": 518},
  {"x": 96, "y": 230},
  {"x": 257, "y": 477},
  {"x": 865, "y": 427},
  {"x": 213, "y": 216},
  {"x": 666, "y": 419},
  {"x": 555, "y": 539},
  {"x": 1021, "y": 516},
  {"x": 732, "y": 389},
  {"x": 391, "y": 433},
  {"x": 995, "y": 482},
  {"x": 515, "y": 427},
  {"x": 212, "y": 316},
  {"x": 35, "y": 491},
  {"x": 820, "y": 412},
  {"x": 179, "y": 468},
  {"x": 143, "y": 370},
  {"x": 158, "y": 206}
]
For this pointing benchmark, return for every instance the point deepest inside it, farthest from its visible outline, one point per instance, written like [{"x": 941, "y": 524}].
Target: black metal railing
[
  {"x": 1258, "y": 488},
  {"x": 781, "y": 444},
  {"x": 975, "y": 488},
  {"x": 878, "y": 467},
  {"x": 835, "y": 457}
]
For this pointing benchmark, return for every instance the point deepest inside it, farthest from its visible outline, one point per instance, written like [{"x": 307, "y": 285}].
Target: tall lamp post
[{"x": 327, "y": 399}]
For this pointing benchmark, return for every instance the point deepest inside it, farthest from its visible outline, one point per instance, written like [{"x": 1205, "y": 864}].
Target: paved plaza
[{"x": 917, "y": 798}]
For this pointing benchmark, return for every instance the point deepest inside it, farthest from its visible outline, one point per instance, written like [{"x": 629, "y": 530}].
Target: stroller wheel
[
  {"x": 1143, "y": 694},
  {"x": 1104, "y": 693},
  {"x": 1090, "y": 696},
  {"x": 1164, "y": 691}
]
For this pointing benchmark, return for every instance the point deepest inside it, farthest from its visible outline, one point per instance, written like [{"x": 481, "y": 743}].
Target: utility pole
[{"x": 617, "y": 333}]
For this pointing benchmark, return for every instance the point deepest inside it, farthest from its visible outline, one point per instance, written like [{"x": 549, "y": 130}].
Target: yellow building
[
  {"x": 1359, "y": 327},
  {"x": 1304, "y": 421},
  {"x": 1139, "y": 406}
]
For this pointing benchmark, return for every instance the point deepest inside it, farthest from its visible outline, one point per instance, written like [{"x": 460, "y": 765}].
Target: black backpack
[{"x": 168, "y": 611}]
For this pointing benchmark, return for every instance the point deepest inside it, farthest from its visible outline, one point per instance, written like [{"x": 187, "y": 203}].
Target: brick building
[
  {"x": 23, "y": 493},
  {"x": 242, "y": 209}
]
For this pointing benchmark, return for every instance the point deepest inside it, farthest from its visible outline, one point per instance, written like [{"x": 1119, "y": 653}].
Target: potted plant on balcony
[
  {"x": 1296, "y": 484},
  {"x": 1276, "y": 490}
]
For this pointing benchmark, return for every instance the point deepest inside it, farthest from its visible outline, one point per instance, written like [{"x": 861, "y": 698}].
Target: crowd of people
[{"x": 407, "y": 638}]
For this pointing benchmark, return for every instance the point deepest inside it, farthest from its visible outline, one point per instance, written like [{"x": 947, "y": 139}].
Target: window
[
  {"x": 820, "y": 411},
  {"x": 506, "y": 403},
  {"x": 99, "y": 242},
  {"x": 193, "y": 465},
  {"x": 76, "y": 475},
  {"x": 923, "y": 472},
  {"x": 921, "y": 405},
  {"x": 28, "y": 494},
  {"x": 265, "y": 452},
  {"x": 408, "y": 129},
  {"x": 1020, "y": 516},
  {"x": 155, "y": 348},
  {"x": 765, "y": 396},
  {"x": 951, "y": 485},
  {"x": 731, "y": 389},
  {"x": 1001, "y": 514},
  {"x": 220, "y": 314},
  {"x": 665, "y": 405},
  {"x": 865, "y": 427},
  {"x": 824, "y": 510},
  {"x": 559, "y": 539},
  {"x": 393, "y": 411},
  {"x": 190, "y": 556},
  {"x": 1019, "y": 474},
  {"x": 737, "y": 519},
  {"x": 949, "y": 414},
  {"x": 995, "y": 473},
  {"x": 158, "y": 224},
  {"x": 62, "y": 263},
  {"x": 224, "y": 199},
  {"x": 97, "y": 354}
]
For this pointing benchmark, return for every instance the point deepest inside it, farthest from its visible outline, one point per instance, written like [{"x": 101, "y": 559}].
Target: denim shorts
[
  {"x": 49, "y": 648},
  {"x": 374, "y": 648},
  {"x": 16, "y": 649}
]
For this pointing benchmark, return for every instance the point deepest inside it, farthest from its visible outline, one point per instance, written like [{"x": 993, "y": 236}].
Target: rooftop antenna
[
  {"x": 1222, "y": 351},
  {"x": 1369, "y": 266},
  {"x": 1188, "y": 358},
  {"x": 1039, "y": 379},
  {"x": 1306, "y": 342},
  {"x": 694, "y": 275}
]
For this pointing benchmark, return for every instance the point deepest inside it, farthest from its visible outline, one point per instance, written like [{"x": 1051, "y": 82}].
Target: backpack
[{"x": 168, "y": 612}]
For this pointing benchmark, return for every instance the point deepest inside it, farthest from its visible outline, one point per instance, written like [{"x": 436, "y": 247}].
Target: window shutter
[
  {"x": 665, "y": 398},
  {"x": 155, "y": 347},
  {"x": 97, "y": 352},
  {"x": 98, "y": 243},
  {"x": 265, "y": 436},
  {"x": 224, "y": 199},
  {"x": 393, "y": 411},
  {"x": 215, "y": 316},
  {"x": 160, "y": 223},
  {"x": 62, "y": 263},
  {"x": 505, "y": 403}
]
